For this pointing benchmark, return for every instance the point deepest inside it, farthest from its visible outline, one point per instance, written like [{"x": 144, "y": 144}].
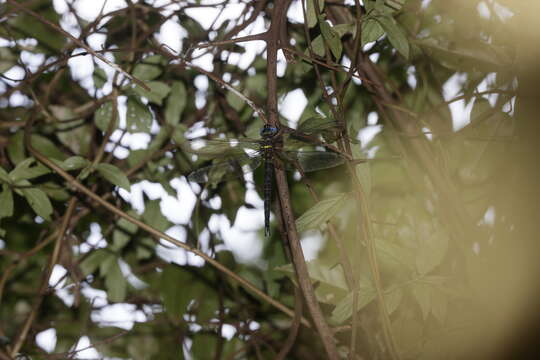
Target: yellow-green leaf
[{"x": 320, "y": 213}]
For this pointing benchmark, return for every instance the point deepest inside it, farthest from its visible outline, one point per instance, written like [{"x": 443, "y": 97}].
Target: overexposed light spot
[
  {"x": 311, "y": 245},
  {"x": 57, "y": 274},
  {"x": 281, "y": 65},
  {"x": 253, "y": 198},
  {"x": 489, "y": 216},
  {"x": 95, "y": 240},
  {"x": 295, "y": 14},
  {"x": 118, "y": 315},
  {"x": 204, "y": 61},
  {"x": 96, "y": 41},
  {"x": 89, "y": 10},
  {"x": 81, "y": 66},
  {"x": 372, "y": 118},
  {"x": 461, "y": 112},
  {"x": 425, "y": 3},
  {"x": 60, "y": 6},
  {"x": 427, "y": 133},
  {"x": 253, "y": 325},
  {"x": 178, "y": 210},
  {"x": 411, "y": 77},
  {"x": 483, "y": 10},
  {"x": 46, "y": 340},
  {"x": 228, "y": 331},
  {"x": 368, "y": 133},
  {"x": 502, "y": 12},
  {"x": 201, "y": 82},
  {"x": 374, "y": 57},
  {"x": 292, "y": 106},
  {"x": 96, "y": 296},
  {"x": 172, "y": 34},
  {"x": 242, "y": 238},
  {"x": 13, "y": 75},
  {"x": 487, "y": 83},
  {"x": 85, "y": 350}
]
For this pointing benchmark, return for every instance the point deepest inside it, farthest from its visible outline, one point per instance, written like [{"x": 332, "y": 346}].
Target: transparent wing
[
  {"x": 229, "y": 169},
  {"x": 220, "y": 147},
  {"x": 316, "y": 125},
  {"x": 312, "y": 160}
]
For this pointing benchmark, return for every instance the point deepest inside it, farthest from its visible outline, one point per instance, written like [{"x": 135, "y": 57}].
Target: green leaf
[
  {"x": 176, "y": 102},
  {"x": 393, "y": 256},
  {"x": 235, "y": 101},
  {"x": 26, "y": 26},
  {"x": 150, "y": 68},
  {"x": 363, "y": 171},
  {"x": 311, "y": 13},
  {"x": 332, "y": 39},
  {"x": 332, "y": 286},
  {"x": 159, "y": 90},
  {"x": 342, "y": 29},
  {"x": 28, "y": 169},
  {"x": 319, "y": 214},
  {"x": 146, "y": 71},
  {"x": 431, "y": 251},
  {"x": 114, "y": 175},
  {"x": 7, "y": 59},
  {"x": 47, "y": 147},
  {"x": 371, "y": 31},
  {"x": 422, "y": 293},
  {"x": 38, "y": 200},
  {"x": 344, "y": 308},
  {"x": 153, "y": 216},
  {"x": 174, "y": 281},
  {"x": 15, "y": 148},
  {"x": 317, "y": 45},
  {"x": 115, "y": 283},
  {"x": 439, "y": 305},
  {"x": 93, "y": 261},
  {"x": 123, "y": 233},
  {"x": 71, "y": 132},
  {"x": 4, "y": 176},
  {"x": 74, "y": 163},
  {"x": 99, "y": 76},
  {"x": 204, "y": 346},
  {"x": 103, "y": 116},
  {"x": 392, "y": 299},
  {"x": 138, "y": 117},
  {"x": 395, "y": 34},
  {"x": 6, "y": 201}
]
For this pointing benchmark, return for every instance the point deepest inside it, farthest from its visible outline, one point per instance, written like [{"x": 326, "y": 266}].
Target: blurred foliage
[{"x": 442, "y": 294}]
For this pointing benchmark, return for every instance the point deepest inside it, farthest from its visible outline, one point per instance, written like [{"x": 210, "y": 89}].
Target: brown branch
[
  {"x": 327, "y": 337},
  {"x": 46, "y": 275}
]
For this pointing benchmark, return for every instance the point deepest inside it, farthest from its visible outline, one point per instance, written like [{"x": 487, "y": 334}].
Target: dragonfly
[{"x": 243, "y": 155}]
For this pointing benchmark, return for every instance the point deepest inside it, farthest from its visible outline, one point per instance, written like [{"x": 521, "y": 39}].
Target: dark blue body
[{"x": 267, "y": 148}]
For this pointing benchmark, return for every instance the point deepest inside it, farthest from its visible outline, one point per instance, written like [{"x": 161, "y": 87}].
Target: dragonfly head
[{"x": 268, "y": 131}]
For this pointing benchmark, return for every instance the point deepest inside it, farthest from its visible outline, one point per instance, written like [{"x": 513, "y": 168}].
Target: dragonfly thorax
[{"x": 268, "y": 131}]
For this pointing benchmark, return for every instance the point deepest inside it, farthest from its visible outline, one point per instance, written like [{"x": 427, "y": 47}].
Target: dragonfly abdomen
[{"x": 267, "y": 190}]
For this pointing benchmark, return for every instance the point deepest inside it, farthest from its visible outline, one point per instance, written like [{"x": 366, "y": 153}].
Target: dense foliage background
[{"x": 427, "y": 251}]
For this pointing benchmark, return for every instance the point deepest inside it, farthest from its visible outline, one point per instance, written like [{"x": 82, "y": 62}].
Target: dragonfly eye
[{"x": 268, "y": 130}]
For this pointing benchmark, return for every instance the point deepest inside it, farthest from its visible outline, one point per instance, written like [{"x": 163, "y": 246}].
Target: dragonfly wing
[
  {"x": 317, "y": 125},
  {"x": 220, "y": 147},
  {"x": 312, "y": 160},
  {"x": 221, "y": 171}
]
